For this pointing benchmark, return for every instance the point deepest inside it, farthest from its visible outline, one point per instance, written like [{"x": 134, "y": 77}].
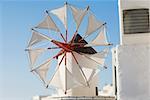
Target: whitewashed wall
[{"x": 133, "y": 72}]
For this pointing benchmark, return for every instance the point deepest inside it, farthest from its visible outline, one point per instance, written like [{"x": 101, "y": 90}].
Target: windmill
[{"x": 78, "y": 62}]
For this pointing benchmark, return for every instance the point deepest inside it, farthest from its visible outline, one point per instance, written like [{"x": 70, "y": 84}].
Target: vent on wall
[{"x": 136, "y": 21}]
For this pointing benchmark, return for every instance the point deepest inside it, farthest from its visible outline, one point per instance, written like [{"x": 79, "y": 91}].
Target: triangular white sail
[
  {"x": 94, "y": 77},
  {"x": 42, "y": 70},
  {"x": 34, "y": 54},
  {"x": 61, "y": 13},
  {"x": 56, "y": 80},
  {"x": 86, "y": 62},
  {"x": 93, "y": 25},
  {"x": 74, "y": 69},
  {"x": 78, "y": 15},
  {"x": 63, "y": 79},
  {"x": 102, "y": 54},
  {"x": 71, "y": 82},
  {"x": 98, "y": 57},
  {"x": 101, "y": 39},
  {"x": 88, "y": 73},
  {"x": 48, "y": 23},
  {"x": 37, "y": 37}
]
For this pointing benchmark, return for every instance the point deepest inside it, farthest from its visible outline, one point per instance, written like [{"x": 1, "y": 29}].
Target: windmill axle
[{"x": 68, "y": 47}]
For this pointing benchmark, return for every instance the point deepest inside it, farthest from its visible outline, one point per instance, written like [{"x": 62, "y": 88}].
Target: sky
[{"x": 17, "y": 17}]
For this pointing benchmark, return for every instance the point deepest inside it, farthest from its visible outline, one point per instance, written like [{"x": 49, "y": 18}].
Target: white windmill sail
[
  {"x": 63, "y": 79},
  {"x": 34, "y": 54},
  {"x": 94, "y": 77},
  {"x": 56, "y": 80},
  {"x": 91, "y": 74},
  {"x": 103, "y": 53},
  {"x": 100, "y": 40},
  {"x": 71, "y": 82},
  {"x": 42, "y": 70},
  {"x": 93, "y": 25},
  {"x": 37, "y": 37},
  {"x": 88, "y": 72},
  {"x": 61, "y": 13},
  {"x": 48, "y": 23},
  {"x": 74, "y": 69},
  {"x": 86, "y": 62},
  {"x": 78, "y": 15},
  {"x": 99, "y": 57}
]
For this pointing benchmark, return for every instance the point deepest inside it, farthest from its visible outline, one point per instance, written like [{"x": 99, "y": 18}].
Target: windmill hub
[{"x": 67, "y": 47}]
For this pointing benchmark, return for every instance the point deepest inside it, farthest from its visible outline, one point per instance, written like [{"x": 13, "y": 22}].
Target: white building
[{"x": 131, "y": 59}]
